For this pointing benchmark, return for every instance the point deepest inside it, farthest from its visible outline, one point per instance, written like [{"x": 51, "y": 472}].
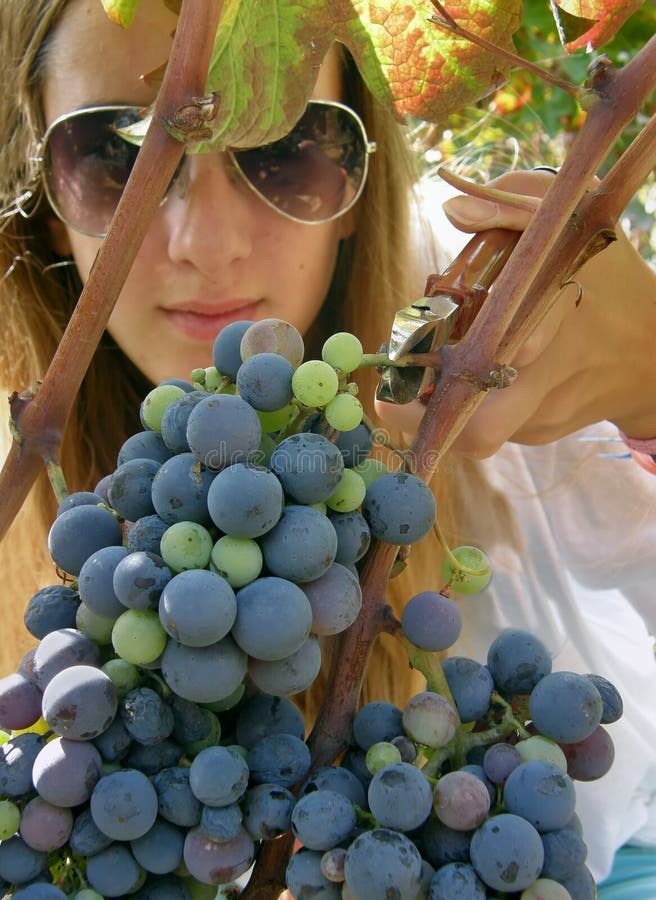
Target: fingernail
[{"x": 471, "y": 210}]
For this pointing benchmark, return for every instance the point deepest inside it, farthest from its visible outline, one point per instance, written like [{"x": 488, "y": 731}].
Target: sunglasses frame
[{"x": 233, "y": 155}]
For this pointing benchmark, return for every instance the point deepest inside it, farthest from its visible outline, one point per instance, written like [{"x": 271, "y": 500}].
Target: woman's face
[{"x": 215, "y": 253}]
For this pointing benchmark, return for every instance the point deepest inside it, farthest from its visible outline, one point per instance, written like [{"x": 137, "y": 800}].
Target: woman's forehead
[{"x": 91, "y": 60}]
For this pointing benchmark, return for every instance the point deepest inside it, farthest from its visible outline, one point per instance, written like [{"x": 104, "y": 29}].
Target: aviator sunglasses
[{"x": 314, "y": 174}]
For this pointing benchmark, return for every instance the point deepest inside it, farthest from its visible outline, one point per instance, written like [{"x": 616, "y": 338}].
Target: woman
[{"x": 216, "y": 252}]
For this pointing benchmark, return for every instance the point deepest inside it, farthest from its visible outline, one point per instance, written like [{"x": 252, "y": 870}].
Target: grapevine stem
[{"x": 445, "y": 21}]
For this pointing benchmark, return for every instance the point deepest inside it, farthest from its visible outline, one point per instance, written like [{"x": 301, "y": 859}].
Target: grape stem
[
  {"x": 57, "y": 480},
  {"x": 485, "y": 192},
  {"x": 457, "y": 567}
]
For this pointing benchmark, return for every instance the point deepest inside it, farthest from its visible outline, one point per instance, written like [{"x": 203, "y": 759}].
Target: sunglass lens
[
  {"x": 87, "y": 165},
  {"x": 314, "y": 172}
]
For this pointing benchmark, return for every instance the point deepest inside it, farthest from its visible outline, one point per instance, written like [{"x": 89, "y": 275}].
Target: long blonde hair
[{"x": 374, "y": 277}]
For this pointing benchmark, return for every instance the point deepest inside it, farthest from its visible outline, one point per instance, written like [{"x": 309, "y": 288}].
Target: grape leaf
[
  {"x": 267, "y": 54},
  {"x": 583, "y": 23},
  {"x": 121, "y": 11}
]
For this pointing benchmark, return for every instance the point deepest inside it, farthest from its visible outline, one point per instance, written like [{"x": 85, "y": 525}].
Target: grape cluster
[
  {"x": 461, "y": 798},
  {"x": 149, "y": 744}
]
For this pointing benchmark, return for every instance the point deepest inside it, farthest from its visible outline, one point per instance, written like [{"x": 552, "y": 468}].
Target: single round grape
[
  {"x": 540, "y": 793},
  {"x": 499, "y": 761},
  {"x": 383, "y": 863},
  {"x": 304, "y": 877},
  {"x": 10, "y": 817},
  {"x": 538, "y": 747},
  {"x": 546, "y": 889},
  {"x": 123, "y": 674},
  {"x": 342, "y": 351},
  {"x": 212, "y": 862},
  {"x": 344, "y": 412},
  {"x": 97, "y": 628},
  {"x": 400, "y": 797},
  {"x": 517, "y": 660},
  {"x": 431, "y": 621},
  {"x": 429, "y": 719},
  {"x": 186, "y": 545},
  {"x": 44, "y": 826},
  {"x": 507, "y": 853},
  {"x": 80, "y": 702},
  {"x": 273, "y": 336},
  {"x": 380, "y": 755},
  {"x": 399, "y": 508},
  {"x": 370, "y": 469},
  {"x": 197, "y": 608},
  {"x": 265, "y": 381},
  {"x": 156, "y": 402},
  {"x": 565, "y": 707},
  {"x": 332, "y": 864},
  {"x": 467, "y": 582},
  {"x": 590, "y": 758},
  {"x": 461, "y": 800},
  {"x": 238, "y": 560},
  {"x": 349, "y": 494},
  {"x": 138, "y": 636},
  {"x": 276, "y": 419},
  {"x": 314, "y": 383},
  {"x": 226, "y": 353}
]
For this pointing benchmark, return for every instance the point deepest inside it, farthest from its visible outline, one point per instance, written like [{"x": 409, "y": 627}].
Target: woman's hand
[{"x": 592, "y": 357}]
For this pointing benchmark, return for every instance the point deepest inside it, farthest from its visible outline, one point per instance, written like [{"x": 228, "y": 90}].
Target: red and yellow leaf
[{"x": 601, "y": 20}]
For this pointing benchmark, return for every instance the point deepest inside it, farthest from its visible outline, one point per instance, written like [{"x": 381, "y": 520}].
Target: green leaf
[
  {"x": 601, "y": 20},
  {"x": 266, "y": 57},
  {"x": 121, "y": 11}
]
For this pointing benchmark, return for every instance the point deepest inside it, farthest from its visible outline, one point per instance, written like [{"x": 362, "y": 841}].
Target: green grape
[
  {"x": 123, "y": 675},
  {"x": 227, "y": 387},
  {"x": 9, "y": 819},
  {"x": 237, "y": 748},
  {"x": 186, "y": 545},
  {"x": 546, "y": 889},
  {"x": 98, "y": 628},
  {"x": 342, "y": 351},
  {"x": 320, "y": 507},
  {"x": 238, "y": 560},
  {"x": 213, "y": 378},
  {"x": 4, "y": 737},
  {"x": 539, "y": 747},
  {"x": 472, "y": 581},
  {"x": 228, "y": 702},
  {"x": 277, "y": 418},
  {"x": 370, "y": 469},
  {"x": 263, "y": 453},
  {"x": 314, "y": 383},
  {"x": 380, "y": 755},
  {"x": 138, "y": 636},
  {"x": 349, "y": 494},
  {"x": 87, "y": 894},
  {"x": 344, "y": 412},
  {"x": 157, "y": 402},
  {"x": 198, "y": 376}
]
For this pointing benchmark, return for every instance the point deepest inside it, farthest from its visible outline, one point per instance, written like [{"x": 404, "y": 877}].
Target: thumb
[{"x": 474, "y": 214}]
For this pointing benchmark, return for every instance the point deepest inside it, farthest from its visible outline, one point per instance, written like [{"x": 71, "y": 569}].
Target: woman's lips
[{"x": 202, "y": 322}]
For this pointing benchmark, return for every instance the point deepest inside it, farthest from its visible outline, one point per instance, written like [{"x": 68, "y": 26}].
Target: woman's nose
[{"x": 209, "y": 214}]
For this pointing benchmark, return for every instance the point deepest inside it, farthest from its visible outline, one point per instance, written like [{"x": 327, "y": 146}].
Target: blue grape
[
  {"x": 245, "y": 501},
  {"x": 265, "y": 714},
  {"x": 96, "y": 582},
  {"x": 337, "y": 779},
  {"x": 153, "y": 758},
  {"x": 400, "y": 797},
  {"x": 375, "y": 722},
  {"x": 581, "y": 884},
  {"x": 278, "y": 759},
  {"x": 541, "y": 793},
  {"x": 146, "y": 717},
  {"x": 20, "y": 702},
  {"x": 353, "y": 536},
  {"x": 79, "y": 702},
  {"x": 456, "y": 881},
  {"x": 51, "y": 608},
  {"x": 175, "y": 419},
  {"x": 399, "y": 508},
  {"x": 139, "y": 579},
  {"x": 610, "y": 697},
  {"x": 471, "y": 686},
  {"x": 192, "y": 723},
  {"x": 440, "y": 844},
  {"x": 197, "y": 608},
  {"x": 226, "y": 354},
  {"x": 216, "y": 862},
  {"x": 335, "y": 598},
  {"x": 267, "y": 810},
  {"x": 114, "y": 743},
  {"x": 17, "y": 757},
  {"x": 517, "y": 660},
  {"x": 265, "y": 381},
  {"x": 44, "y": 826},
  {"x": 144, "y": 445},
  {"x": 80, "y": 498},
  {"x": 273, "y": 618},
  {"x": 301, "y": 546},
  {"x": 218, "y": 776},
  {"x": 20, "y": 863},
  {"x": 305, "y": 879},
  {"x": 221, "y": 823},
  {"x": 223, "y": 430},
  {"x": 431, "y": 621},
  {"x": 129, "y": 491},
  {"x": 180, "y": 490},
  {"x": 86, "y": 838},
  {"x": 288, "y": 676},
  {"x": 565, "y": 707},
  {"x": 507, "y": 853},
  {"x": 499, "y": 761},
  {"x": 79, "y": 532},
  {"x": 354, "y": 445},
  {"x": 383, "y": 863},
  {"x": 114, "y": 871},
  {"x": 124, "y": 805},
  {"x": 204, "y": 674},
  {"x": 309, "y": 466},
  {"x": 164, "y": 888},
  {"x": 564, "y": 853},
  {"x": 176, "y": 801},
  {"x": 39, "y": 891},
  {"x": 323, "y": 819},
  {"x": 61, "y": 649},
  {"x": 159, "y": 850},
  {"x": 146, "y": 534}
]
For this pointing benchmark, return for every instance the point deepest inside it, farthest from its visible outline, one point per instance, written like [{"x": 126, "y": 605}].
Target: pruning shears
[{"x": 450, "y": 303}]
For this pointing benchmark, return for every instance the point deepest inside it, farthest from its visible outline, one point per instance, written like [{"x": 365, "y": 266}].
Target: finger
[
  {"x": 475, "y": 214},
  {"x": 540, "y": 339}
]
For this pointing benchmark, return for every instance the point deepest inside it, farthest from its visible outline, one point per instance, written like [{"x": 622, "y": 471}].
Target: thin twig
[
  {"x": 485, "y": 192},
  {"x": 448, "y": 23}
]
